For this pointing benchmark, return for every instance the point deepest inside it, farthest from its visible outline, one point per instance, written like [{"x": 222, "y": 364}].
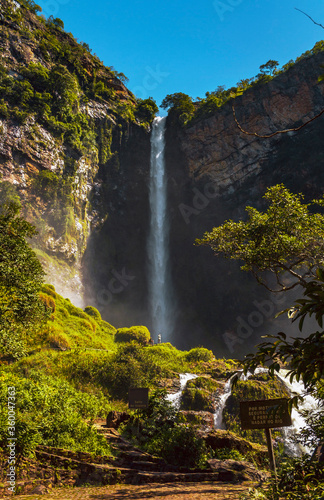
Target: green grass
[{"x": 70, "y": 327}]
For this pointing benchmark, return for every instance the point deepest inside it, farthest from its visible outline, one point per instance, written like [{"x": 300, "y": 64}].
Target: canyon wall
[{"x": 214, "y": 172}]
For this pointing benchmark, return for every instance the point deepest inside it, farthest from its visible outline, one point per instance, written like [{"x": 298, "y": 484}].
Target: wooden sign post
[
  {"x": 266, "y": 414},
  {"x": 138, "y": 397}
]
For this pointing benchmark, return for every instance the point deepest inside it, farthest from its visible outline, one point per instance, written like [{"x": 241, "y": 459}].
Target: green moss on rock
[{"x": 138, "y": 334}]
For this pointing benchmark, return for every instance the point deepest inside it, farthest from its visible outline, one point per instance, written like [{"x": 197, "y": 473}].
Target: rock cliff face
[
  {"x": 56, "y": 177},
  {"x": 214, "y": 172}
]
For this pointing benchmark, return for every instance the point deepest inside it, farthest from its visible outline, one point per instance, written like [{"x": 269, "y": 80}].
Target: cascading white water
[
  {"x": 158, "y": 241},
  {"x": 218, "y": 415},
  {"x": 298, "y": 421},
  {"x": 175, "y": 398}
]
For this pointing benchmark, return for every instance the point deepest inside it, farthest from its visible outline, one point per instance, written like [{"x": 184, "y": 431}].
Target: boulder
[
  {"x": 200, "y": 418},
  {"x": 232, "y": 471},
  {"x": 115, "y": 418}
]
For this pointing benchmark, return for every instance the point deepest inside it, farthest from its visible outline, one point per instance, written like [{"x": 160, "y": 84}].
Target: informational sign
[
  {"x": 138, "y": 397},
  {"x": 265, "y": 414}
]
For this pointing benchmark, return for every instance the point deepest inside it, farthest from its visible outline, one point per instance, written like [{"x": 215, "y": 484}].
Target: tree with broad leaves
[
  {"x": 21, "y": 276},
  {"x": 287, "y": 240}
]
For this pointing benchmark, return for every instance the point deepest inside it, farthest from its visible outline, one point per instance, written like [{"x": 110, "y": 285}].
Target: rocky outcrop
[{"x": 214, "y": 171}]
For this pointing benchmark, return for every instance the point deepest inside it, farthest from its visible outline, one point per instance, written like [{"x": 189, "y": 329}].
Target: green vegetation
[
  {"x": 138, "y": 334},
  {"x": 51, "y": 412},
  {"x": 199, "y": 394},
  {"x": 158, "y": 430},
  {"x": 21, "y": 275},
  {"x": 287, "y": 240},
  {"x": 257, "y": 387}
]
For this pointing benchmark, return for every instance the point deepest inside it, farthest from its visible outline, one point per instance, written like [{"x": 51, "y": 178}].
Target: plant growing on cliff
[{"x": 21, "y": 276}]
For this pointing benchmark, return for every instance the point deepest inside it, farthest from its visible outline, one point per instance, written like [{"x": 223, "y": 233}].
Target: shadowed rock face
[{"x": 214, "y": 172}]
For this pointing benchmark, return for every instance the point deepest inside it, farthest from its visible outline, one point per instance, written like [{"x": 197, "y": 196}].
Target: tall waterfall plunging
[{"x": 158, "y": 241}]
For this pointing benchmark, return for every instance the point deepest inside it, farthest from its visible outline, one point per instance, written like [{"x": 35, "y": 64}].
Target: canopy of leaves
[
  {"x": 21, "y": 276},
  {"x": 180, "y": 106},
  {"x": 287, "y": 239}
]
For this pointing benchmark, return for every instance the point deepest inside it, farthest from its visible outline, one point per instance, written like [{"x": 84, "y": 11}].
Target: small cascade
[
  {"x": 175, "y": 398},
  {"x": 298, "y": 421},
  {"x": 218, "y": 415}
]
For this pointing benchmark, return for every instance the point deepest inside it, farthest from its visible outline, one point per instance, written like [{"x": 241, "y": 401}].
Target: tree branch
[
  {"x": 317, "y": 24},
  {"x": 278, "y": 131}
]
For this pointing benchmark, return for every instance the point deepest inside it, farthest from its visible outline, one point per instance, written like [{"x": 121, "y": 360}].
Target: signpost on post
[
  {"x": 266, "y": 414},
  {"x": 138, "y": 397}
]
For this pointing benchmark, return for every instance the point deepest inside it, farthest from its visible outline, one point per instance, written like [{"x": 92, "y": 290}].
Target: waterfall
[
  {"x": 298, "y": 421},
  {"x": 218, "y": 415},
  {"x": 158, "y": 241},
  {"x": 175, "y": 398}
]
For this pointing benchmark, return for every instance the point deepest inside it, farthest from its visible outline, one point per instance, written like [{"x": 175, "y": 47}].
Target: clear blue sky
[{"x": 169, "y": 46}]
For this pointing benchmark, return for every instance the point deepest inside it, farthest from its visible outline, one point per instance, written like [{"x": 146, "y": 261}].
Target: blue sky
[{"x": 189, "y": 46}]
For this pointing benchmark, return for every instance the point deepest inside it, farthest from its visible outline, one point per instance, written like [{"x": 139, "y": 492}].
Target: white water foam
[{"x": 175, "y": 398}]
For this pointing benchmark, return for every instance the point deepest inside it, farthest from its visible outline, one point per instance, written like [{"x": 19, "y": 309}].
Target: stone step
[{"x": 170, "y": 477}]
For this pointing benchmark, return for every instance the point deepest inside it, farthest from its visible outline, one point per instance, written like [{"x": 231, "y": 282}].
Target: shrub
[
  {"x": 50, "y": 411},
  {"x": 138, "y": 334},
  {"x": 48, "y": 301},
  {"x": 92, "y": 311},
  {"x": 158, "y": 431},
  {"x": 197, "y": 400},
  {"x": 199, "y": 354}
]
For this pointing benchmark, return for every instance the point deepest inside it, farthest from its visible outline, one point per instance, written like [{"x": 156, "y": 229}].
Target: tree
[
  {"x": 287, "y": 240},
  {"x": 146, "y": 109},
  {"x": 21, "y": 276},
  {"x": 269, "y": 68},
  {"x": 180, "y": 106}
]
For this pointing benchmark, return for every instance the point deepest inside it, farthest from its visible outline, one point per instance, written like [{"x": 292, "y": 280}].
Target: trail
[{"x": 167, "y": 491}]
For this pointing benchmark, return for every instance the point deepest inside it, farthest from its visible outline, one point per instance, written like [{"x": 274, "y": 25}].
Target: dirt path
[{"x": 170, "y": 491}]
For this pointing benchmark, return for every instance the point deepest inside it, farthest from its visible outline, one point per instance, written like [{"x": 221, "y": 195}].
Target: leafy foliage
[
  {"x": 287, "y": 238},
  {"x": 160, "y": 432},
  {"x": 138, "y": 334},
  {"x": 21, "y": 276},
  {"x": 51, "y": 412},
  {"x": 180, "y": 106},
  {"x": 298, "y": 479},
  {"x": 146, "y": 109}
]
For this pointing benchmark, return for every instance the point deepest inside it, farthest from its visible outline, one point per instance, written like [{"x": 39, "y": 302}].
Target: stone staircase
[{"x": 129, "y": 465}]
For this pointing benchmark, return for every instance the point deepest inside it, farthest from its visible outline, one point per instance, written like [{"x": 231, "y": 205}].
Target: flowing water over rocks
[{"x": 175, "y": 398}]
